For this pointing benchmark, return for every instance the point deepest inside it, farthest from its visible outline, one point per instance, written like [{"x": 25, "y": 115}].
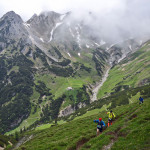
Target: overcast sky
[
  {"x": 26, "y": 8},
  {"x": 112, "y": 16}
]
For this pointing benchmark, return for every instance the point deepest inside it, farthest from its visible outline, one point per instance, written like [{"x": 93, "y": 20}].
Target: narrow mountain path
[
  {"x": 116, "y": 134},
  {"x": 100, "y": 84}
]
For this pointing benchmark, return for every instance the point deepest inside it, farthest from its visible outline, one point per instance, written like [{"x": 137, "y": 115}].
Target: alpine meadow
[{"x": 75, "y": 75}]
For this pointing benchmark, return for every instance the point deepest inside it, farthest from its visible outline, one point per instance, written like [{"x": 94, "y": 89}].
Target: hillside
[
  {"x": 132, "y": 71},
  {"x": 130, "y": 130},
  {"x": 35, "y": 75},
  {"x": 50, "y": 65}
]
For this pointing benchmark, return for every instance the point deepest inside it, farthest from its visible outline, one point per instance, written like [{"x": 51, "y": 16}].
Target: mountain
[
  {"x": 132, "y": 71},
  {"x": 12, "y": 30},
  {"x": 130, "y": 129},
  {"x": 51, "y": 63}
]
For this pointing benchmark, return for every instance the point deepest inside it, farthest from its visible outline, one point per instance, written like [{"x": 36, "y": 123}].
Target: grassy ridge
[
  {"x": 84, "y": 73},
  {"x": 130, "y": 72},
  {"x": 133, "y": 71},
  {"x": 129, "y": 131}
]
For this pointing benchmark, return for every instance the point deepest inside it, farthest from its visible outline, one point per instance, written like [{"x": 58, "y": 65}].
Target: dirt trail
[
  {"x": 107, "y": 147},
  {"x": 96, "y": 89},
  {"x": 116, "y": 134}
]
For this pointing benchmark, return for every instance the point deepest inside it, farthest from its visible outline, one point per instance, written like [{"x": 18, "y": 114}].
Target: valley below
[{"x": 58, "y": 73}]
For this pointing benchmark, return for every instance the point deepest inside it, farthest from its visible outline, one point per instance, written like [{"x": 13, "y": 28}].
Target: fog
[
  {"x": 113, "y": 20},
  {"x": 126, "y": 19}
]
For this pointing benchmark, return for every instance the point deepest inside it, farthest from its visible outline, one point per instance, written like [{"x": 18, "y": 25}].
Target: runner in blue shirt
[{"x": 100, "y": 125}]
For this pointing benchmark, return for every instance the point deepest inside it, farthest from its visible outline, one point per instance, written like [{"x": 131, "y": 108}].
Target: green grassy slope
[
  {"x": 130, "y": 130},
  {"x": 84, "y": 73},
  {"x": 132, "y": 72}
]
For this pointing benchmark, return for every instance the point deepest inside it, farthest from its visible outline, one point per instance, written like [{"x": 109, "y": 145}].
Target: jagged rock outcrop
[
  {"x": 69, "y": 110},
  {"x": 12, "y": 31}
]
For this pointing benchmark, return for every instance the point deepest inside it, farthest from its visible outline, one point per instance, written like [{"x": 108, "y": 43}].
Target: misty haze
[{"x": 74, "y": 74}]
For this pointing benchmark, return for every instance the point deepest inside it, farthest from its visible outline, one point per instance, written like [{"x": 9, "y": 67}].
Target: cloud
[
  {"x": 113, "y": 19},
  {"x": 26, "y": 8}
]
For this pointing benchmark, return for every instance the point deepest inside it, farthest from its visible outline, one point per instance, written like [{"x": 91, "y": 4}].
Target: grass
[
  {"x": 134, "y": 98},
  {"x": 94, "y": 111},
  {"x": 130, "y": 72},
  {"x": 129, "y": 131},
  {"x": 45, "y": 126},
  {"x": 123, "y": 74},
  {"x": 58, "y": 85}
]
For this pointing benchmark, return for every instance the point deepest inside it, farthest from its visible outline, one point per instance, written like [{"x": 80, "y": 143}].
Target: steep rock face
[
  {"x": 12, "y": 30},
  {"x": 11, "y": 26},
  {"x": 50, "y": 28},
  {"x": 69, "y": 110},
  {"x": 69, "y": 34},
  {"x": 121, "y": 49},
  {"x": 42, "y": 25}
]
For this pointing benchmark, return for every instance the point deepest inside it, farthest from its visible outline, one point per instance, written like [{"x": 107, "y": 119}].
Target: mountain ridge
[{"x": 44, "y": 56}]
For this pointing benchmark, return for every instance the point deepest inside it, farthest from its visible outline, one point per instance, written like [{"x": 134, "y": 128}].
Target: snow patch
[
  {"x": 78, "y": 36},
  {"x": 97, "y": 44},
  {"x": 69, "y": 54},
  {"x": 130, "y": 47},
  {"x": 57, "y": 24},
  {"x": 87, "y": 46},
  {"x": 26, "y": 24},
  {"x": 42, "y": 40},
  {"x": 71, "y": 32},
  {"x": 121, "y": 58},
  {"x": 32, "y": 39},
  {"x": 68, "y": 23},
  {"x": 51, "y": 37}
]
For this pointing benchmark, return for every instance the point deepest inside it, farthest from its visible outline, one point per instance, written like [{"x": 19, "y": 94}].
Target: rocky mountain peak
[
  {"x": 12, "y": 29},
  {"x": 44, "y": 17},
  {"x": 43, "y": 25},
  {"x": 12, "y": 17}
]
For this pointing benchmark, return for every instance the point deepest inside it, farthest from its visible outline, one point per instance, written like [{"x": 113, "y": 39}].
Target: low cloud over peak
[{"x": 112, "y": 19}]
